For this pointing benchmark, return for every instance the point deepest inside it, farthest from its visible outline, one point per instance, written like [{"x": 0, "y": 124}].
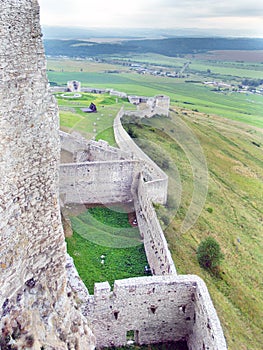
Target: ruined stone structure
[
  {"x": 37, "y": 308},
  {"x": 38, "y": 283},
  {"x": 74, "y": 86},
  {"x": 159, "y": 308},
  {"x": 152, "y": 105}
]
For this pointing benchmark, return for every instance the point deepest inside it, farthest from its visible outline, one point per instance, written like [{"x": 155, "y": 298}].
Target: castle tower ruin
[{"x": 37, "y": 309}]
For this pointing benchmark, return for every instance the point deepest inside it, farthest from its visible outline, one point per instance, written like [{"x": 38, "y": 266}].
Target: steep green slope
[{"x": 233, "y": 215}]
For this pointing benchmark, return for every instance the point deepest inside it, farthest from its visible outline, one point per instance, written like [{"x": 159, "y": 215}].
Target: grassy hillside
[{"x": 233, "y": 215}]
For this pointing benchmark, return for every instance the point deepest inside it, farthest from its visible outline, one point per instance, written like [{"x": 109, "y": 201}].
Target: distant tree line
[
  {"x": 170, "y": 47},
  {"x": 252, "y": 82}
]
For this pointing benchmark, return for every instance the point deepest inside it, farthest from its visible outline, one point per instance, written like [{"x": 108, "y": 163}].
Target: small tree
[{"x": 209, "y": 253}]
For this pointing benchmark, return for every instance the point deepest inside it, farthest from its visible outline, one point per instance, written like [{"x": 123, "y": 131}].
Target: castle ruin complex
[
  {"x": 38, "y": 283},
  {"x": 158, "y": 308}
]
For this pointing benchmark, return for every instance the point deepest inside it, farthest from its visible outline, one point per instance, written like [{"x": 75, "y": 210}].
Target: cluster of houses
[
  {"x": 144, "y": 70},
  {"x": 221, "y": 86}
]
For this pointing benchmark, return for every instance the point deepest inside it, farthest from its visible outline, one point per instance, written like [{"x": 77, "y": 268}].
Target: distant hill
[
  {"x": 168, "y": 46},
  {"x": 56, "y": 32}
]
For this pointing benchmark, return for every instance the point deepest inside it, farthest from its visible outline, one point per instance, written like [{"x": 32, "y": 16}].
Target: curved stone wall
[
  {"x": 125, "y": 143},
  {"x": 155, "y": 244}
]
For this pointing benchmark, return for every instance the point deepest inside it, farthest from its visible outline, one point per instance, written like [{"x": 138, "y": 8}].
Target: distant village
[
  {"x": 248, "y": 86},
  {"x": 221, "y": 86}
]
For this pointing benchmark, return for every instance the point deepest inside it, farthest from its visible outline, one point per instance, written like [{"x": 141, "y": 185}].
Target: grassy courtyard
[{"x": 105, "y": 247}]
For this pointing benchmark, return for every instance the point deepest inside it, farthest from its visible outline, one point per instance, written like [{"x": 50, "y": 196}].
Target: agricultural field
[
  {"x": 189, "y": 92},
  {"x": 229, "y": 128}
]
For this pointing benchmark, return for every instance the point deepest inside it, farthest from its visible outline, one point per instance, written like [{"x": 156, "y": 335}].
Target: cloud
[{"x": 235, "y": 14}]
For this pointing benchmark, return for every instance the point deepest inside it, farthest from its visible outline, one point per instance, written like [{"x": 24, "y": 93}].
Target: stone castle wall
[
  {"x": 161, "y": 308},
  {"x": 101, "y": 182},
  {"x": 83, "y": 150},
  {"x": 157, "y": 309},
  {"x": 156, "y": 248},
  {"x": 126, "y": 144},
  {"x": 34, "y": 302}
]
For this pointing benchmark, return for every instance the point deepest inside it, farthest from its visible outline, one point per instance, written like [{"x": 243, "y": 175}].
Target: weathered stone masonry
[
  {"x": 157, "y": 309},
  {"x": 37, "y": 304},
  {"x": 36, "y": 310},
  {"x": 164, "y": 307}
]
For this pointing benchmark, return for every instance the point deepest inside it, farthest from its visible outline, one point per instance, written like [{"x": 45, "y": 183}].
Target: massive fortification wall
[
  {"x": 161, "y": 308},
  {"x": 157, "y": 309},
  {"x": 36, "y": 309},
  {"x": 98, "y": 182}
]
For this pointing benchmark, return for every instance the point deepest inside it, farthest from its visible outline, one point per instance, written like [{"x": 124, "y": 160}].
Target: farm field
[
  {"x": 229, "y": 127},
  {"x": 189, "y": 93}
]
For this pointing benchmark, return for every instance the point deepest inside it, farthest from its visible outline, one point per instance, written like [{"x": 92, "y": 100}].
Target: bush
[
  {"x": 131, "y": 132},
  {"x": 209, "y": 253}
]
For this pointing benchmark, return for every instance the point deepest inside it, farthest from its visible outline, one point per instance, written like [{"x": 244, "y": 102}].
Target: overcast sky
[{"x": 242, "y": 15}]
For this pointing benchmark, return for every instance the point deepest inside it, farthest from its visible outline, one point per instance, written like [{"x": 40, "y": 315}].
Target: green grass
[
  {"x": 107, "y": 135},
  {"x": 94, "y": 229},
  {"x": 235, "y": 221},
  {"x": 103, "y": 231},
  {"x": 246, "y": 108},
  {"x": 70, "y": 120},
  {"x": 105, "y": 215},
  {"x": 119, "y": 263},
  {"x": 90, "y": 125}
]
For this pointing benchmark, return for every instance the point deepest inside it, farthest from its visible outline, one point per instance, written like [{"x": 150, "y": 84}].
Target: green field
[
  {"x": 90, "y": 125},
  {"x": 242, "y": 107},
  {"x": 229, "y": 128}
]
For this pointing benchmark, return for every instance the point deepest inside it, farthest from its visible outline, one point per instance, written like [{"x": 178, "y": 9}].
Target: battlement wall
[
  {"x": 83, "y": 150},
  {"x": 157, "y": 309},
  {"x": 71, "y": 143}
]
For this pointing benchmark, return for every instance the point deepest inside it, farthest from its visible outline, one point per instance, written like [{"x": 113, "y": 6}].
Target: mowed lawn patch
[
  {"x": 90, "y": 125},
  {"x": 69, "y": 120}
]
